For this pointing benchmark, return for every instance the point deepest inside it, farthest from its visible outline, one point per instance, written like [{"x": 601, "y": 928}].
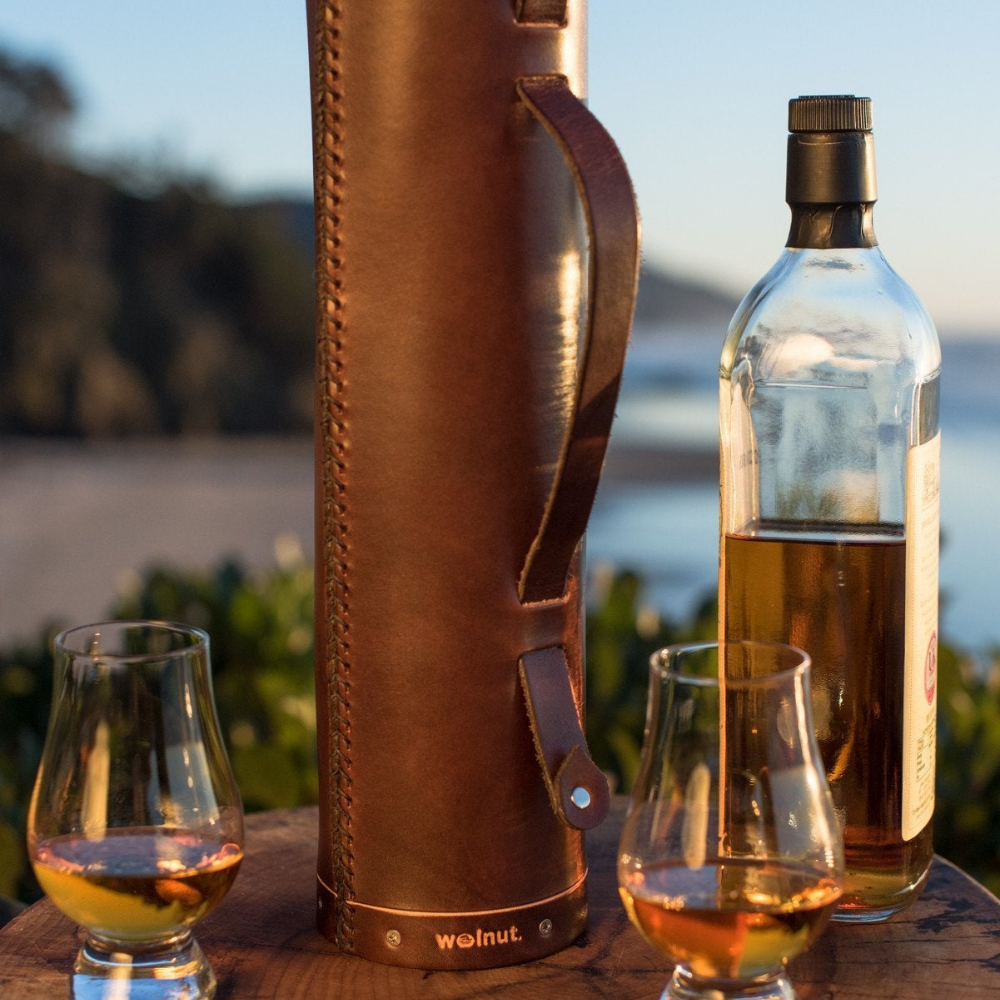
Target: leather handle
[
  {"x": 612, "y": 218},
  {"x": 550, "y": 12},
  {"x": 577, "y": 787}
]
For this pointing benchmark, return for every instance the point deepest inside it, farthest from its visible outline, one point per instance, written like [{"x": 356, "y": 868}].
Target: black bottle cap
[
  {"x": 830, "y": 113},
  {"x": 831, "y": 151}
]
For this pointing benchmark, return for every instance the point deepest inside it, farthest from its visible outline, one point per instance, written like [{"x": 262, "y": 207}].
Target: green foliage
[
  {"x": 967, "y": 810},
  {"x": 262, "y": 656},
  {"x": 25, "y": 683},
  {"x": 622, "y": 634},
  {"x": 261, "y": 633}
]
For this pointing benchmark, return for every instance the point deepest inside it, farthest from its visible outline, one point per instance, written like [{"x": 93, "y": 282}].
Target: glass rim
[
  {"x": 198, "y": 639},
  {"x": 659, "y": 659}
]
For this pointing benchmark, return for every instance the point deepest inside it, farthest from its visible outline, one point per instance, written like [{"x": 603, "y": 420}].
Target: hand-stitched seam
[{"x": 330, "y": 185}]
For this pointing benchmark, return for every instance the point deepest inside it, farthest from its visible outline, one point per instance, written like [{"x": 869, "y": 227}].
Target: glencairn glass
[
  {"x": 731, "y": 860},
  {"x": 135, "y": 829}
]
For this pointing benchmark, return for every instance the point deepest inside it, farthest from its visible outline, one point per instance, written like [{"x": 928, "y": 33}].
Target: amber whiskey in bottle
[{"x": 830, "y": 456}]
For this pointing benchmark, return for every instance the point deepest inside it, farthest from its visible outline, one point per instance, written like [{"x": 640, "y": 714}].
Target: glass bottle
[{"x": 830, "y": 454}]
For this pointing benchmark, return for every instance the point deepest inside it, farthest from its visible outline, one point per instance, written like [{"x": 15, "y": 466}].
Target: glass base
[
  {"x": 863, "y": 909},
  {"x": 867, "y": 915},
  {"x": 175, "y": 970},
  {"x": 685, "y": 986}
]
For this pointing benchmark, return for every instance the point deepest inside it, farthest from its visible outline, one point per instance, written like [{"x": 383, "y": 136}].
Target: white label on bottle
[{"x": 923, "y": 483}]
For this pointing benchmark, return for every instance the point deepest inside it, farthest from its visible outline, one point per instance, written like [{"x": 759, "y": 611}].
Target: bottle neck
[
  {"x": 830, "y": 188},
  {"x": 832, "y": 227}
]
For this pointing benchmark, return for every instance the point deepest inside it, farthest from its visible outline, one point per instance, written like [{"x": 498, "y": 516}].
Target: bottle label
[{"x": 923, "y": 479}]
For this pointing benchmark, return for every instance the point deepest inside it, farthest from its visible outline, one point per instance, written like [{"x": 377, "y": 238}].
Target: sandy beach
[{"x": 76, "y": 519}]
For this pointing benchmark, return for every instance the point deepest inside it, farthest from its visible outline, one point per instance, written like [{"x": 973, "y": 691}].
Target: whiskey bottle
[{"x": 830, "y": 455}]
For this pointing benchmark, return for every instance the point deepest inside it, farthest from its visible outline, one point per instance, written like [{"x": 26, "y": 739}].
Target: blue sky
[{"x": 695, "y": 94}]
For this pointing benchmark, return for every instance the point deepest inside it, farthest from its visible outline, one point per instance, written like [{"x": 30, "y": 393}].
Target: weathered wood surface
[{"x": 263, "y": 945}]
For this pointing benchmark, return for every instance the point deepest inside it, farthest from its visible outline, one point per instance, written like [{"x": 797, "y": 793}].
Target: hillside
[
  {"x": 130, "y": 314},
  {"x": 665, "y": 299}
]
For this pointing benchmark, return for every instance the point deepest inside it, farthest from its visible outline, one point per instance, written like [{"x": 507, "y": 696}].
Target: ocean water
[{"x": 669, "y": 530}]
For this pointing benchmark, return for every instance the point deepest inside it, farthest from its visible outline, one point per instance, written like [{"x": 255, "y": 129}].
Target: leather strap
[
  {"x": 541, "y": 11},
  {"x": 613, "y": 230},
  {"x": 577, "y": 788}
]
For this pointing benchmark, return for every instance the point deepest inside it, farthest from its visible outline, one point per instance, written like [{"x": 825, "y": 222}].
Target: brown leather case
[{"x": 477, "y": 258}]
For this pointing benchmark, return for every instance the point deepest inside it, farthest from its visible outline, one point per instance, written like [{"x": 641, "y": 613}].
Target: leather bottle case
[{"x": 477, "y": 259}]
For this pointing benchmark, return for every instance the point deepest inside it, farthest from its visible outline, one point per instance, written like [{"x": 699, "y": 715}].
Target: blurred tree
[
  {"x": 141, "y": 309},
  {"x": 35, "y": 101}
]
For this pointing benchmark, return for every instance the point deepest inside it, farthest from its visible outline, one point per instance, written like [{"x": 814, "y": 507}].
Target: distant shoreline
[
  {"x": 647, "y": 464},
  {"x": 627, "y": 463}
]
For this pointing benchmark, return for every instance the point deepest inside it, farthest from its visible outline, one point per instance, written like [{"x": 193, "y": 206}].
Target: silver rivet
[
  {"x": 393, "y": 939},
  {"x": 580, "y": 797},
  {"x": 545, "y": 927}
]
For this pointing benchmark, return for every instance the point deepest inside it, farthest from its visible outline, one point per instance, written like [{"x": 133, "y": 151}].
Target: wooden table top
[{"x": 262, "y": 942}]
